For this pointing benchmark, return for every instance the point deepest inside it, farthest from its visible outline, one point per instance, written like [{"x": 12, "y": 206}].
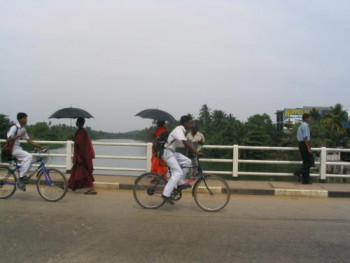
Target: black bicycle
[
  {"x": 51, "y": 183},
  {"x": 210, "y": 192}
]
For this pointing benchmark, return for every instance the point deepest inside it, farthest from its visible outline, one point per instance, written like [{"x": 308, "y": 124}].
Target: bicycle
[
  {"x": 51, "y": 183},
  {"x": 211, "y": 193}
]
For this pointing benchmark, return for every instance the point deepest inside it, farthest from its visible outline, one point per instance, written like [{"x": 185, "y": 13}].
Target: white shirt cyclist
[
  {"x": 12, "y": 132},
  {"x": 176, "y": 137}
]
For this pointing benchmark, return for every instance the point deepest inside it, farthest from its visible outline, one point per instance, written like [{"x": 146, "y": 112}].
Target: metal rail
[{"x": 235, "y": 161}]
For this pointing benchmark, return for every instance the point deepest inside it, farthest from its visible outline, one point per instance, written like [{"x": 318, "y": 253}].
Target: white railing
[
  {"x": 235, "y": 160},
  {"x": 68, "y": 155}
]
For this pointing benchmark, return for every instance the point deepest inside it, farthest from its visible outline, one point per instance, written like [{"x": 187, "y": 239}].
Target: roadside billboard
[{"x": 292, "y": 116}]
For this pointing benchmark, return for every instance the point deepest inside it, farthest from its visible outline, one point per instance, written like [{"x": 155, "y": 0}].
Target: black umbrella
[
  {"x": 156, "y": 114},
  {"x": 71, "y": 113}
]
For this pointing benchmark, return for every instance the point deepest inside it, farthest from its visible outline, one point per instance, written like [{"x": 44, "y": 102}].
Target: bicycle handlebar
[{"x": 37, "y": 150}]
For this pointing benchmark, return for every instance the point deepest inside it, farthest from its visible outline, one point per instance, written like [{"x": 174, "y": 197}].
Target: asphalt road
[{"x": 111, "y": 227}]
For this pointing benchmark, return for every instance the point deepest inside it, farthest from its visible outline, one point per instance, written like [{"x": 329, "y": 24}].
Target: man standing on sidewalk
[{"x": 304, "y": 137}]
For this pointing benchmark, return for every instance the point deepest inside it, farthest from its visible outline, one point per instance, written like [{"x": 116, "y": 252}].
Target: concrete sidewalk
[{"x": 115, "y": 182}]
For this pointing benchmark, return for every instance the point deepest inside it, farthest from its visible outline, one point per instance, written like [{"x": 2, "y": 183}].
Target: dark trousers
[{"x": 308, "y": 161}]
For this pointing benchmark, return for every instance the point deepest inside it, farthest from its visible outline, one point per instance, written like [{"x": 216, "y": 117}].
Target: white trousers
[
  {"x": 25, "y": 158},
  {"x": 175, "y": 161}
]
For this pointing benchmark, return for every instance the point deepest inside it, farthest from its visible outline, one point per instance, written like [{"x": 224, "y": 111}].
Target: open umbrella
[
  {"x": 156, "y": 114},
  {"x": 70, "y": 113}
]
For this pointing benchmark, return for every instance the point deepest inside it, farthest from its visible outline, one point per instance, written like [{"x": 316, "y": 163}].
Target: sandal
[{"x": 90, "y": 192}]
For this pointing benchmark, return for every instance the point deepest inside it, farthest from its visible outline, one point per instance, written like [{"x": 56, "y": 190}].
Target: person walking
[
  {"x": 304, "y": 138},
  {"x": 177, "y": 162},
  {"x": 81, "y": 174},
  {"x": 16, "y": 133}
]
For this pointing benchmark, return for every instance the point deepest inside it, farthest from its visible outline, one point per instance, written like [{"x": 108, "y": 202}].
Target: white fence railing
[{"x": 322, "y": 163}]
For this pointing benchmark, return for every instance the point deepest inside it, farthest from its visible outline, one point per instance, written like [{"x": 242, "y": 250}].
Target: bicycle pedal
[
  {"x": 22, "y": 188},
  {"x": 168, "y": 200}
]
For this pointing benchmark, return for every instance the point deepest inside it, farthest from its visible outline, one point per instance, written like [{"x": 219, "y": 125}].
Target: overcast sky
[{"x": 115, "y": 58}]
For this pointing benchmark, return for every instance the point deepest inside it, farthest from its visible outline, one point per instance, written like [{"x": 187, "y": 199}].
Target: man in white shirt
[
  {"x": 178, "y": 163},
  {"x": 196, "y": 138},
  {"x": 18, "y": 132}
]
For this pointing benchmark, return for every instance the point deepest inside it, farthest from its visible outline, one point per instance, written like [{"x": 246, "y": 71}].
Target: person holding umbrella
[
  {"x": 81, "y": 175},
  {"x": 158, "y": 165}
]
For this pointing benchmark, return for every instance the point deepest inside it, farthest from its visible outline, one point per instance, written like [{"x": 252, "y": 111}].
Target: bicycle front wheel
[
  {"x": 7, "y": 183},
  {"x": 148, "y": 190},
  {"x": 211, "y": 193},
  {"x": 52, "y": 185}
]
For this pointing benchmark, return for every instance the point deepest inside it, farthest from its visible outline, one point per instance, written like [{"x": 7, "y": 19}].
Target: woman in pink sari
[{"x": 81, "y": 175}]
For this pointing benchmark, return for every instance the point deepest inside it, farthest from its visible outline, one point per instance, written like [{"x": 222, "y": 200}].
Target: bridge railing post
[
  {"x": 235, "y": 161},
  {"x": 69, "y": 162},
  {"x": 149, "y": 156},
  {"x": 323, "y": 160}
]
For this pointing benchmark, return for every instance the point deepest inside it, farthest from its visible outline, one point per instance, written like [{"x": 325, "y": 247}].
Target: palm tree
[
  {"x": 5, "y": 125},
  {"x": 204, "y": 115},
  {"x": 315, "y": 115},
  {"x": 334, "y": 122}
]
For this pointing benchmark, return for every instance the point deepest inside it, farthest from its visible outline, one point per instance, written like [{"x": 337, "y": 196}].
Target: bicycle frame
[
  {"x": 51, "y": 183},
  {"x": 211, "y": 193},
  {"x": 41, "y": 168},
  {"x": 196, "y": 176}
]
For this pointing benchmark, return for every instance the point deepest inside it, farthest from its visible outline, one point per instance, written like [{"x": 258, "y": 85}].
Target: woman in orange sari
[
  {"x": 81, "y": 175},
  {"x": 158, "y": 165}
]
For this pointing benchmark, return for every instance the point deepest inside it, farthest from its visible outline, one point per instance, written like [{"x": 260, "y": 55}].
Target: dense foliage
[{"x": 219, "y": 128}]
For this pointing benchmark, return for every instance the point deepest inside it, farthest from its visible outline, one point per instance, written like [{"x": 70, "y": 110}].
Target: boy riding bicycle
[
  {"x": 16, "y": 133},
  {"x": 175, "y": 160}
]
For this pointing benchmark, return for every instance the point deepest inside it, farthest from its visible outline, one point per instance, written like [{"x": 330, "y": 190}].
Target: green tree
[
  {"x": 39, "y": 131},
  {"x": 334, "y": 122},
  {"x": 315, "y": 115},
  {"x": 204, "y": 115},
  {"x": 259, "y": 132},
  {"x": 5, "y": 125}
]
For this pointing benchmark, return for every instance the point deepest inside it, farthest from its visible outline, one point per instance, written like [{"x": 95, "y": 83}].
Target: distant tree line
[
  {"x": 219, "y": 128},
  {"x": 47, "y": 132}
]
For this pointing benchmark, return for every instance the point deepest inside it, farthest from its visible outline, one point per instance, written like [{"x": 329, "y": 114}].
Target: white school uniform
[
  {"x": 24, "y": 157},
  {"x": 175, "y": 160}
]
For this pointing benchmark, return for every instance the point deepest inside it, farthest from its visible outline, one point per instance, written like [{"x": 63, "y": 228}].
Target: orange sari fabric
[{"x": 158, "y": 165}]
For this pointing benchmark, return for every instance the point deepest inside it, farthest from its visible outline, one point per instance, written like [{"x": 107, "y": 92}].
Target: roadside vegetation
[{"x": 220, "y": 128}]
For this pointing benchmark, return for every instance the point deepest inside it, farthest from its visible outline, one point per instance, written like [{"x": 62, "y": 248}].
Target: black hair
[
  {"x": 21, "y": 115},
  {"x": 195, "y": 124},
  {"x": 81, "y": 119},
  {"x": 161, "y": 123},
  {"x": 185, "y": 119},
  {"x": 305, "y": 116}
]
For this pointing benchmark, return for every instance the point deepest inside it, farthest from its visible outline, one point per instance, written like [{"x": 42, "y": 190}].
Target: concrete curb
[
  {"x": 338, "y": 194},
  {"x": 243, "y": 191},
  {"x": 299, "y": 192},
  {"x": 107, "y": 186}
]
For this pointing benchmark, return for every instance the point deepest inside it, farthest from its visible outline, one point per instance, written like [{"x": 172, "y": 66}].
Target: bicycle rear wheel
[
  {"x": 211, "y": 193},
  {"x": 148, "y": 190},
  {"x": 52, "y": 185},
  {"x": 7, "y": 183}
]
